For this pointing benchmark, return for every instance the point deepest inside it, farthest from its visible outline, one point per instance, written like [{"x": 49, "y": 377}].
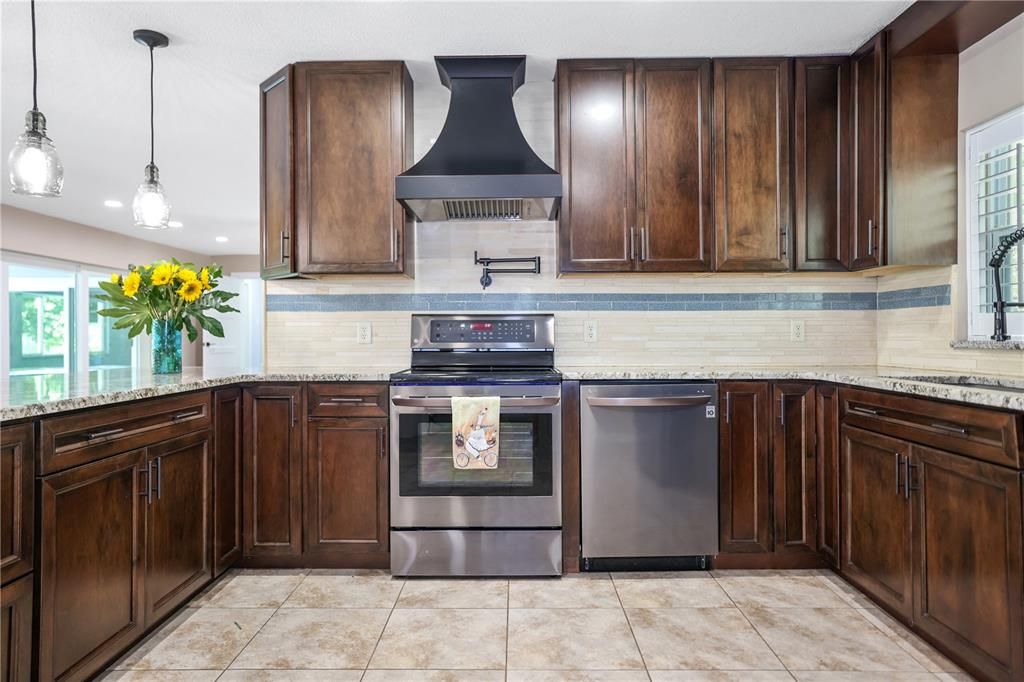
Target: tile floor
[{"x": 364, "y": 625}]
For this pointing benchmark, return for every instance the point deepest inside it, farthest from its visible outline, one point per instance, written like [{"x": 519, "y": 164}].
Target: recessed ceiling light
[
  {"x": 222, "y": 239},
  {"x": 112, "y": 203},
  {"x": 175, "y": 223}
]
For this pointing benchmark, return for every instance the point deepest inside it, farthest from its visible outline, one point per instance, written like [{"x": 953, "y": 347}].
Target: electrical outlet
[
  {"x": 590, "y": 331},
  {"x": 796, "y": 330},
  {"x": 364, "y": 332}
]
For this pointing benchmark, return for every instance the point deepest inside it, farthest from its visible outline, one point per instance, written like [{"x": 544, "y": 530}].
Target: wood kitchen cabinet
[
  {"x": 869, "y": 78},
  {"x": 821, "y": 162},
  {"x": 827, "y": 415},
  {"x": 752, "y": 164},
  {"x": 794, "y": 468},
  {"x": 745, "y": 513},
  {"x": 17, "y": 500},
  {"x": 272, "y": 471},
  {"x": 333, "y": 137},
  {"x": 227, "y": 479},
  {"x": 347, "y": 486},
  {"x": 16, "y": 630},
  {"x": 177, "y": 522},
  {"x": 91, "y": 564}
]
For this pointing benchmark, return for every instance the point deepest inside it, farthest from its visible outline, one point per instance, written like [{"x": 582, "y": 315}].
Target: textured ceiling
[{"x": 93, "y": 78}]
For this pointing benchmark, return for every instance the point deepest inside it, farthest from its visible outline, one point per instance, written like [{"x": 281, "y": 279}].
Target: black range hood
[{"x": 481, "y": 167}]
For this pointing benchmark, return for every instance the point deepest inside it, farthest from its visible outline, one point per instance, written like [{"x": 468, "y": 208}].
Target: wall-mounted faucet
[
  {"x": 999, "y": 306},
  {"x": 486, "y": 279}
]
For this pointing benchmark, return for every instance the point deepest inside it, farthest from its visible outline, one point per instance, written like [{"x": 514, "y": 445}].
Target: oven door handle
[
  {"x": 524, "y": 401},
  {"x": 667, "y": 401}
]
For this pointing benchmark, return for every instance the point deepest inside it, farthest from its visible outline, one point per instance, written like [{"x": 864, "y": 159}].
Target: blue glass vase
[{"x": 166, "y": 348}]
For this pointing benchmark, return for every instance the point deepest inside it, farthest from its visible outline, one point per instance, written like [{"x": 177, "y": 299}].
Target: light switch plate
[
  {"x": 590, "y": 331},
  {"x": 796, "y": 330},
  {"x": 364, "y": 332}
]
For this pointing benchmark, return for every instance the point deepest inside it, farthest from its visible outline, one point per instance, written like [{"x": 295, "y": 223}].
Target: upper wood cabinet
[
  {"x": 868, "y": 75},
  {"x": 821, "y": 162},
  {"x": 752, "y": 164},
  {"x": 334, "y": 136},
  {"x": 17, "y": 500}
]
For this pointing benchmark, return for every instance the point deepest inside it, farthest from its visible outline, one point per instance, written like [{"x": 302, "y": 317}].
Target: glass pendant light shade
[
  {"x": 150, "y": 207},
  {"x": 35, "y": 168}
]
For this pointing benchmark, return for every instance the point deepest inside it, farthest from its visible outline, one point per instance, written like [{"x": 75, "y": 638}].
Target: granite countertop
[{"x": 32, "y": 396}]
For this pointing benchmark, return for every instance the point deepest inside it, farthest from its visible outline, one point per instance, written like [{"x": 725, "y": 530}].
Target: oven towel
[{"x": 475, "y": 432}]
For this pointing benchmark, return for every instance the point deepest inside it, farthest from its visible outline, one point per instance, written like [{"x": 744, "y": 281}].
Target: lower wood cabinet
[
  {"x": 745, "y": 468},
  {"x": 16, "y": 630},
  {"x": 17, "y": 501},
  {"x": 346, "y": 486},
  {"x": 227, "y": 479},
  {"x": 827, "y": 414},
  {"x": 793, "y": 463},
  {"x": 272, "y": 471},
  {"x": 91, "y": 564}
]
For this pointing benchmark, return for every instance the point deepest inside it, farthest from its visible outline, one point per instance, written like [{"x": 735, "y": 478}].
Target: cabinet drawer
[
  {"x": 989, "y": 435},
  {"x": 347, "y": 400},
  {"x": 76, "y": 439}
]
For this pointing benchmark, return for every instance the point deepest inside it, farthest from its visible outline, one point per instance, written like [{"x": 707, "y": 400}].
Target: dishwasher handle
[{"x": 666, "y": 401}]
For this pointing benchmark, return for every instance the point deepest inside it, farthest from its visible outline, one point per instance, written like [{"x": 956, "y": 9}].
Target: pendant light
[
  {"x": 150, "y": 207},
  {"x": 34, "y": 166}
]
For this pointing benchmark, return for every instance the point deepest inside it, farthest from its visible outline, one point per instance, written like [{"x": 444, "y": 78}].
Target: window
[{"x": 995, "y": 201}]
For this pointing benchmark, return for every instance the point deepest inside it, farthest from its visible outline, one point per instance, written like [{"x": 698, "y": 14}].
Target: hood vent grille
[{"x": 483, "y": 209}]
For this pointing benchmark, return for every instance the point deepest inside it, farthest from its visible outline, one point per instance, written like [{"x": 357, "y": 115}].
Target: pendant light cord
[
  {"x": 152, "y": 125},
  {"x": 35, "y": 103}
]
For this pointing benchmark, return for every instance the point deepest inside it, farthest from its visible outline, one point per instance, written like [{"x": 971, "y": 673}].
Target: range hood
[{"x": 481, "y": 167}]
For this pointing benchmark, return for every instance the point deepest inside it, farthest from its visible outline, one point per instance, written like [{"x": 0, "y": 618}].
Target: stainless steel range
[{"x": 474, "y": 522}]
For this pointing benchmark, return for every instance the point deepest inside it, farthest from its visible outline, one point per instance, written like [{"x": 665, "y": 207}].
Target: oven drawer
[
  {"x": 347, "y": 400},
  {"x": 75, "y": 439}
]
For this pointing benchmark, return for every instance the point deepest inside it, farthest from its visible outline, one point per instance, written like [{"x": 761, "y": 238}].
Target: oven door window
[{"x": 426, "y": 467}]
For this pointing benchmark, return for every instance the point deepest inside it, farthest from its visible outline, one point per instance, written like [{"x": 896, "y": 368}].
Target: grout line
[
  {"x": 747, "y": 618},
  {"x": 630, "y": 626},
  {"x": 387, "y": 620},
  {"x": 508, "y": 617}
]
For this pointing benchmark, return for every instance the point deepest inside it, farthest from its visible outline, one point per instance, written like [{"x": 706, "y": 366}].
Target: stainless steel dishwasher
[{"x": 649, "y": 470}]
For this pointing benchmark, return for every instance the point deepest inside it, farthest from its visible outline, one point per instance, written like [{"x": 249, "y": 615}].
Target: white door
[{"x": 242, "y": 345}]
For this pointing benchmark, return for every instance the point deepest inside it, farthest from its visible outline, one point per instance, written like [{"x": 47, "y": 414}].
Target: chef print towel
[{"x": 475, "y": 432}]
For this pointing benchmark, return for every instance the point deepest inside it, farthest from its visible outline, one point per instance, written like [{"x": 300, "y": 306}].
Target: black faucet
[{"x": 999, "y": 306}]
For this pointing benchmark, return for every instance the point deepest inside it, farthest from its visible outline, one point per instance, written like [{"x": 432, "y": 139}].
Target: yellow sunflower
[
  {"x": 163, "y": 273},
  {"x": 204, "y": 277},
  {"x": 130, "y": 287},
  {"x": 185, "y": 275},
  {"x": 115, "y": 278},
  {"x": 191, "y": 290}
]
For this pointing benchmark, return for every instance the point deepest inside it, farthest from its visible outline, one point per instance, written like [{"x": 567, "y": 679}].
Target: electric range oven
[{"x": 507, "y": 520}]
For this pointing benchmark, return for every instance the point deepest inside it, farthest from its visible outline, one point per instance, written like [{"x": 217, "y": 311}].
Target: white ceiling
[{"x": 93, "y": 78}]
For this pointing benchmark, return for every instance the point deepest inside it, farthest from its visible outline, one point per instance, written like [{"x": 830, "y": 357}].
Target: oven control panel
[{"x": 481, "y": 330}]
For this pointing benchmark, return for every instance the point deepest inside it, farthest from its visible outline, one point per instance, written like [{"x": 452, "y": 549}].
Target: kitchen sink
[{"x": 967, "y": 382}]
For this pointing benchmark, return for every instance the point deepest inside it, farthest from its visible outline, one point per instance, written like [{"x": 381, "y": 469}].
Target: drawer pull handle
[
  {"x": 186, "y": 415},
  {"x": 866, "y": 410},
  {"x": 359, "y": 401},
  {"x": 952, "y": 428},
  {"x": 102, "y": 434}
]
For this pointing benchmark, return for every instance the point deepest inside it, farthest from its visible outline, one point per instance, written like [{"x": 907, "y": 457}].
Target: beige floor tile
[
  {"x": 659, "y": 575},
  {"x": 250, "y": 589},
  {"x": 297, "y": 639},
  {"x": 829, "y": 639},
  {"x": 954, "y": 677},
  {"x": 345, "y": 592},
  {"x": 848, "y": 676},
  {"x": 571, "y": 639},
  {"x": 699, "y": 639},
  {"x": 781, "y": 592},
  {"x": 160, "y": 676},
  {"x": 570, "y": 592},
  {"x": 454, "y": 594},
  {"x": 917, "y": 648},
  {"x": 441, "y": 639},
  {"x": 197, "y": 639},
  {"x": 291, "y": 676},
  {"x": 434, "y": 676},
  {"x": 671, "y": 593},
  {"x": 847, "y": 592},
  {"x": 720, "y": 676},
  {"x": 767, "y": 572},
  {"x": 577, "y": 676}
]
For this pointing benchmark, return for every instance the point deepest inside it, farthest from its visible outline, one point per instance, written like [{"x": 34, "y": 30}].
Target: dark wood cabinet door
[
  {"x": 16, "y": 631},
  {"x": 351, "y": 140},
  {"x": 91, "y": 564},
  {"x": 793, "y": 464},
  {"x": 596, "y": 158},
  {"x": 346, "y": 486},
  {"x": 227, "y": 478},
  {"x": 827, "y": 415},
  {"x": 752, "y": 166},
  {"x": 177, "y": 522},
  {"x": 277, "y": 164},
  {"x": 876, "y": 518},
  {"x": 821, "y": 162},
  {"x": 745, "y": 512},
  {"x": 17, "y": 500},
  {"x": 869, "y": 106},
  {"x": 969, "y": 566},
  {"x": 272, "y": 471},
  {"x": 673, "y": 175}
]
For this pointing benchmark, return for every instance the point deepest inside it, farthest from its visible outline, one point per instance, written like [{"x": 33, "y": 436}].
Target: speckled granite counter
[
  {"x": 31, "y": 396},
  {"x": 39, "y": 394}
]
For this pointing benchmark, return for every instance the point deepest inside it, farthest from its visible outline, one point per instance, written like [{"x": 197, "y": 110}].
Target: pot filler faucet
[{"x": 999, "y": 305}]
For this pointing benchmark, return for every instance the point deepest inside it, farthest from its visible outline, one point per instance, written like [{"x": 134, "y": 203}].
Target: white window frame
[{"x": 983, "y": 137}]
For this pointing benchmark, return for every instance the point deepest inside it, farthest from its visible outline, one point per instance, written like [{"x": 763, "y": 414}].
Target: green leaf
[
  {"x": 190, "y": 328},
  {"x": 211, "y": 325},
  {"x": 226, "y": 309}
]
